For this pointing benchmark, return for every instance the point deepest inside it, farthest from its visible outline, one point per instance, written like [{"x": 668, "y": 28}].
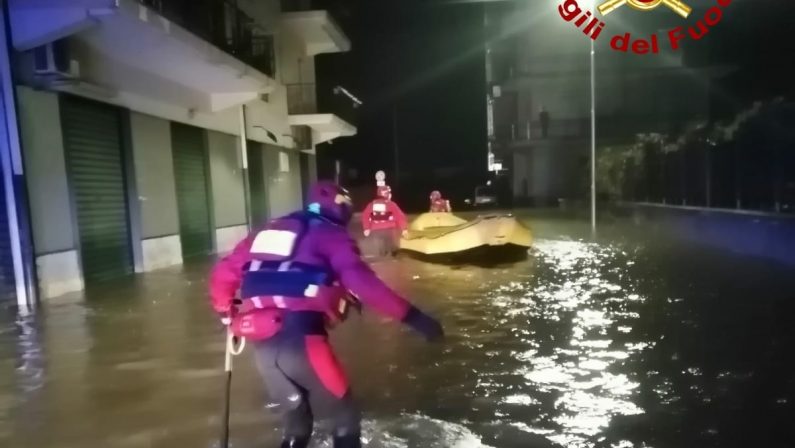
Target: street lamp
[{"x": 593, "y": 138}]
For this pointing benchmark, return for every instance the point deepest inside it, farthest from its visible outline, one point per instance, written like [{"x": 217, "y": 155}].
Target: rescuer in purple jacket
[{"x": 294, "y": 277}]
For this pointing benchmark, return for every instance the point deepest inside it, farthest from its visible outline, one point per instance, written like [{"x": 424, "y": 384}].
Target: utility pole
[{"x": 593, "y": 138}]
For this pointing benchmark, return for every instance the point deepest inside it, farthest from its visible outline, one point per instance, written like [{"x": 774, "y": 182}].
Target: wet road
[{"x": 630, "y": 341}]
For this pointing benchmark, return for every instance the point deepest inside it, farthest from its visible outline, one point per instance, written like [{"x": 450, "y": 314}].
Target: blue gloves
[{"x": 427, "y": 326}]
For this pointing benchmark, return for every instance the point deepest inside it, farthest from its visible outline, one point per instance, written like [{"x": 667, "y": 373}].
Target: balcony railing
[
  {"x": 306, "y": 99},
  {"x": 532, "y": 130},
  {"x": 224, "y": 25},
  {"x": 609, "y": 129},
  {"x": 301, "y": 99}
]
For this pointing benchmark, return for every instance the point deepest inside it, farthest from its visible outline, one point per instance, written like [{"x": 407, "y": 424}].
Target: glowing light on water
[
  {"x": 589, "y": 394},
  {"x": 520, "y": 399}
]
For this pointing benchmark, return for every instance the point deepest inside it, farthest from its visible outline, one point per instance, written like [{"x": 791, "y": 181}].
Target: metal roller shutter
[
  {"x": 7, "y": 284},
  {"x": 256, "y": 179},
  {"x": 190, "y": 174},
  {"x": 92, "y": 142}
]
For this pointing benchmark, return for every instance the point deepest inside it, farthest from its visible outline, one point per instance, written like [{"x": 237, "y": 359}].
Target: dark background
[{"x": 419, "y": 67}]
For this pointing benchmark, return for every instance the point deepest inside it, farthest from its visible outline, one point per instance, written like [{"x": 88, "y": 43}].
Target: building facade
[
  {"x": 154, "y": 131},
  {"x": 539, "y": 95}
]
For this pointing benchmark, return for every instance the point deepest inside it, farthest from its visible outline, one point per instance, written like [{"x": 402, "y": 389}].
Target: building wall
[
  {"x": 553, "y": 170},
  {"x": 265, "y": 12},
  {"x": 763, "y": 235},
  {"x": 157, "y": 196},
  {"x": 156, "y": 96},
  {"x": 552, "y": 66},
  {"x": 283, "y": 187},
  {"x": 294, "y": 66},
  {"x": 521, "y": 168},
  {"x": 154, "y": 214},
  {"x": 227, "y": 190},
  {"x": 262, "y": 117},
  {"x": 312, "y": 159},
  {"x": 57, "y": 259}
]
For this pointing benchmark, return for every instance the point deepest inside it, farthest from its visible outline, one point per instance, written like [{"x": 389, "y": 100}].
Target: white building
[
  {"x": 152, "y": 131},
  {"x": 537, "y": 60}
]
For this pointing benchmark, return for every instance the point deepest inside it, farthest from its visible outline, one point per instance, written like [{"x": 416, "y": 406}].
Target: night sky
[{"x": 424, "y": 61}]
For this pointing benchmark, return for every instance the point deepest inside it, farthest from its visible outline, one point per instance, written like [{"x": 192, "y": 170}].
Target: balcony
[
  {"x": 315, "y": 26},
  {"x": 528, "y": 132},
  {"x": 202, "y": 56},
  {"x": 327, "y": 123},
  {"x": 224, "y": 25},
  {"x": 610, "y": 130}
]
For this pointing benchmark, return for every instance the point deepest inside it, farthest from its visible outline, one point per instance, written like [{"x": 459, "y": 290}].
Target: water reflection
[
  {"x": 580, "y": 305},
  {"x": 583, "y": 345},
  {"x": 21, "y": 355},
  {"x": 30, "y": 368}
]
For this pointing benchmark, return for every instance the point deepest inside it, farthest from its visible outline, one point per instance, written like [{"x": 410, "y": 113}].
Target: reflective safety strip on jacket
[
  {"x": 381, "y": 213},
  {"x": 264, "y": 278},
  {"x": 317, "y": 296}
]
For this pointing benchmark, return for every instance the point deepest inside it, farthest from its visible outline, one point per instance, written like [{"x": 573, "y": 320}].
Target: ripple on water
[
  {"x": 577, "y": 297},
  {"x": 416, "y": 430}
]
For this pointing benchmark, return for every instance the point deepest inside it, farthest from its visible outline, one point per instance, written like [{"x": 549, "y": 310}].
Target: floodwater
[{"x": 630, "y": 341}]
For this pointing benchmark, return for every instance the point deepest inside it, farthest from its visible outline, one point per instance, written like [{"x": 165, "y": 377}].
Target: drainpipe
[
  {"x": 13, "y": 178},
  {"x": 244, "y": 165}
]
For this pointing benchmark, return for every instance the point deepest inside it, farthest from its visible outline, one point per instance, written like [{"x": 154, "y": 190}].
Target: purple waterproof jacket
[{"x": 319, "y": 243}]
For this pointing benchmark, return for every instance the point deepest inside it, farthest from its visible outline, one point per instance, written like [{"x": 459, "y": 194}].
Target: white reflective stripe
[
  {"x": 279, "y": 300},
  {"x": 255, "y": 265},
  {"x": 274, "y": 242},
  {"x": 257, "y": 302},
  {"x": 311, "y": 291}
]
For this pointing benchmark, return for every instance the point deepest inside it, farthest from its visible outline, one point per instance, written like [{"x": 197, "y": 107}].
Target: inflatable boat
[{"x": 446, "y": 237}]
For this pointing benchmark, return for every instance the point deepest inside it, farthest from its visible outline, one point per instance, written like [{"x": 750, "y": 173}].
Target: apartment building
[{"x": 151, "y": 132}]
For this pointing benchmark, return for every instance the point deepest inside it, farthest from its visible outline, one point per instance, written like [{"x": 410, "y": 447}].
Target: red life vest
[
  {"x": 439, "y": 206},
  {"x": 381, "y": 212},
  {"x": 274, "y": 284}
]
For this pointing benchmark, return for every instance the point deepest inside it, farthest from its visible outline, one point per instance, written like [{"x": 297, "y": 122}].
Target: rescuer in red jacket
[
  {"x": 384, "y": 222},
  {"x": 439, "y": 204}
]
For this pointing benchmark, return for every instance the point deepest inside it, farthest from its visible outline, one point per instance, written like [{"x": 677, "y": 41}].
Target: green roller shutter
[
  {"x": 7, "y": 283},
  {"x": 190, "y": 174},
  {"x": 256, "y": 176},
  {"x": 93, "y": 147}
]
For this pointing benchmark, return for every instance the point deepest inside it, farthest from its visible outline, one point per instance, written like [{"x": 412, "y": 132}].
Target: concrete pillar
[
  {"x": 228, "y": 192},
  {"x": 157, "y": 196},
  {"x": 52, "y": 220}
]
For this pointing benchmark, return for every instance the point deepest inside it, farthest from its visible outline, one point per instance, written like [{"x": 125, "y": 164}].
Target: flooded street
[{"x": 629, "y": 341}]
